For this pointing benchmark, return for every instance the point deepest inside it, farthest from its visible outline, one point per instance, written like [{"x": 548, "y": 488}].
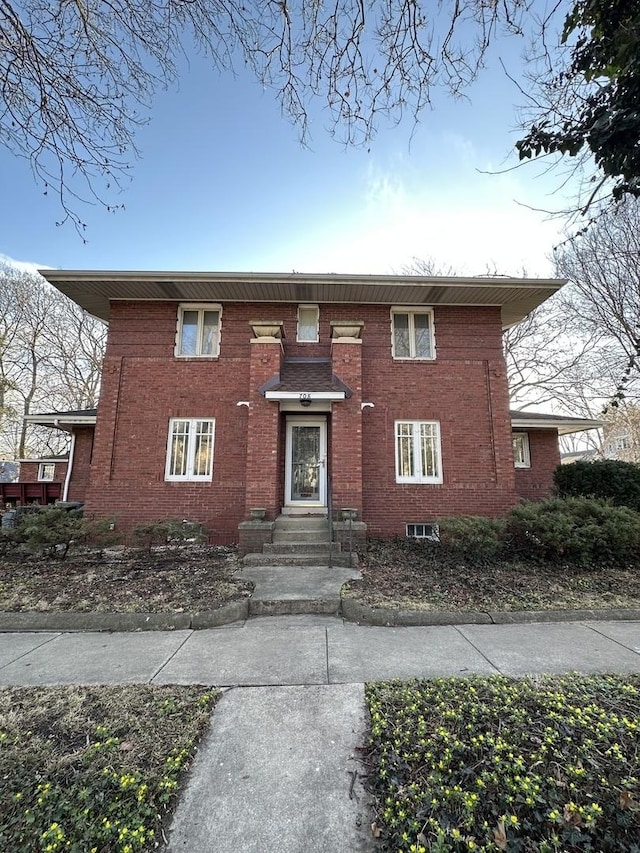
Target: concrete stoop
[
  {"x": 301, "y": 541},
  {"x": 286, "y": 590}
]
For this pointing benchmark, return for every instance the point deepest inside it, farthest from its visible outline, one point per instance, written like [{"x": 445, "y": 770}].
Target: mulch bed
[
  {"x": 397, "y": 574},
  {"x": 192, "y": 578}
]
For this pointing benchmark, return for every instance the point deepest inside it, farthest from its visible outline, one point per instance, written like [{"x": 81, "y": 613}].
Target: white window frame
[
  {"x": 189, "y": 476},
  {"x": 41, "y": 469},
  {"x": 315, "y": 339},
  {"x": 411, "y": 312},
  {"x": 200, "y": 307},
  {"x": 525, "y": 461},
  {"x": 419, "y": 530},
  {"x": 419, "y": 476}
]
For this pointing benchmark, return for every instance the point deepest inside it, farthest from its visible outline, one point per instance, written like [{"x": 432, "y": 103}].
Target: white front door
[{"x": 306, "y": 457}]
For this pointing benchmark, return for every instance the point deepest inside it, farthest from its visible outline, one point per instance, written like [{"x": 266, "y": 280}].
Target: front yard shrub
[
  {"x": 150, "y": 533},
  {"x": 619, "y": 482},
  {"x": 474, "y": 538},
  {"x": 580, "y": 531},
  {"x": 51, "y": 530},
  {"x": 538, "y": 765}
]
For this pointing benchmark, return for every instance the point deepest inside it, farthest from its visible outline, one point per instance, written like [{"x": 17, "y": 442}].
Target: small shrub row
[
  {"x": 610, "y": 479},
  {"x": 53, "y": 530},
  {"x": 574, "y": 530}
]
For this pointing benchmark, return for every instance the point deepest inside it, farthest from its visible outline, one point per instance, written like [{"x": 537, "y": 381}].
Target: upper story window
[
  {"x": 46, "y": 471},
  {"x": 198, "y": 330},
  {"x": 418, "y": 452},
  {"x": 190, "y": 449},
  {"x": 412, "y": 333},
  {"x": 308, "y": 316},
  {"x": 521, "y": 455}
]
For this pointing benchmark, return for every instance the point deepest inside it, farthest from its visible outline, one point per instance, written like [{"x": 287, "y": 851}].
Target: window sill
[{"x": 410, "y": 358}]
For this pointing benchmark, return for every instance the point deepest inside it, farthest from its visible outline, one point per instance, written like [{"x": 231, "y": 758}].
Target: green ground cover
[
  {"x": 94, "y": 769},
  {"x": 547, "y": 764}
]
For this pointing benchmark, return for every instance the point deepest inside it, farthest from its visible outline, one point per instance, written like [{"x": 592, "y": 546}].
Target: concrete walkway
[
  {"x": 293, "y": 650},
  {"x": 278, "y": 770}
]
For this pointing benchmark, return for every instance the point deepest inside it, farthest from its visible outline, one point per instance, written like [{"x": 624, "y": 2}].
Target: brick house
[{"x": 225, "y": 394}]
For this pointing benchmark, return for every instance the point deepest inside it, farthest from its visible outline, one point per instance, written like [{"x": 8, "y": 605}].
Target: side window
[
  {"x": 412, "y": 333},
  {"x": 190, "y": 449},
  {"x": 418, "y": 458},
  {"x": 46, "y": 471},
  {"x": 521, "y": 455},
  {"x": 198, "y": 333},
  {"x": 308, "y": 317}
]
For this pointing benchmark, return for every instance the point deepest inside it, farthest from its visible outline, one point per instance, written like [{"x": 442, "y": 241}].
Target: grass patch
[
  {"x": 545, "y": 764},
  {"x": 417, "y": 576},
  {"x": 191, "y": 578},
  {"x": 94, "y": 769}
]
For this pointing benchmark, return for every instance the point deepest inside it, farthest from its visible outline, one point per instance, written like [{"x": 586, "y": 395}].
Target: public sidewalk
[
  {"x": 279, "y": 769},
  {"x": 295, "y": 650}
]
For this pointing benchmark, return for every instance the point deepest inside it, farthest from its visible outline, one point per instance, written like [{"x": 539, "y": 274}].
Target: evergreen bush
[
  {"x": 616, "y": 481},
  {"x": 575, "y": 530},
  {"x": 474, "y": 538},
  {"x": 51, "y": 529}
]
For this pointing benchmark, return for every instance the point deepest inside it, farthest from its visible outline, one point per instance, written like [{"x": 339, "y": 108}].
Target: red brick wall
[
  {"x": 346, "y": 452},
  {"x": 465, "y": 389},
  {"x": 144, "y": 386},
  {"x": 81, "y": 468},
  {"x": 29, "y": 472},
  {"x": 536, "y": 483}
]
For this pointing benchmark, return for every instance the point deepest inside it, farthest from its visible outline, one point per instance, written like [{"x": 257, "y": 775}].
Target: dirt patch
[{"x": 193, "y": 578}]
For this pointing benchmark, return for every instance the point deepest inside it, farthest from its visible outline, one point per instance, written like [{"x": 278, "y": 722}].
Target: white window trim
[
  {"x": 526, "y": 463},
  {"x": 418, "y": 478},
  {"x": 435, "y": 531},
  {"x": 191, "y": 449},
  {"x": 200, "y": 307},
  {"x": 41, "y": 477},
  {"x": 317, "y": 337},
  {"x": 412, "y": 311}
]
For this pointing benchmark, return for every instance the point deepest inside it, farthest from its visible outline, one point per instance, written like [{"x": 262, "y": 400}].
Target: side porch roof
[{"x": 564, "y": 425}]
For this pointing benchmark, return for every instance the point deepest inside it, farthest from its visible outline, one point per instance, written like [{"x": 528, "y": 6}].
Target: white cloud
[
  {"x": 25, "y": 266},
  {"x": 464, "y": 220}
]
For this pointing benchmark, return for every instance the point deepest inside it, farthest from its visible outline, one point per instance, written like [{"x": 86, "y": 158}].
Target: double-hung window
[
  {"x": 418, "y": 457},
  {"x": 308, "y": 316},
  {"x": 521, "y": 454},
  {"x": 412, "y": 333},
  {"x": 198, "y": 330},
  {"x": 190, "y": 450}
]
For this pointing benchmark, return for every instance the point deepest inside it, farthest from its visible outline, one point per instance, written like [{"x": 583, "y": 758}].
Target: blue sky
[{"x": 224, "y": 184}]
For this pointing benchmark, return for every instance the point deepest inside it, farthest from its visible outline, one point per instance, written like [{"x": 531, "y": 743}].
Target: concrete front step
[
  {"x": 300, "y": 547},
  {"x": 299, "y": 535},
  {"x": 295, "y": 607},
  {"x": 301, "y": 560},
  {"x": 301, "y": 522}
]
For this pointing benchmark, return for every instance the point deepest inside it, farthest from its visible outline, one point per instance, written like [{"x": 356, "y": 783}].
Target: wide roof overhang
[
  {"x": 63, "y": 420},
  {"x": 564, "y": 425},
  {"x": 95, "y": 290}
]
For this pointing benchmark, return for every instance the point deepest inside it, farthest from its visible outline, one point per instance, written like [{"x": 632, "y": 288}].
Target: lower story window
[
  {"x": 46, "y": 471},
  {"x": 190, "y": 449},
  {"x": 521, "y": 454},
  {"x": 418, "y": 452},
  {"x": 421, "y": 530}
]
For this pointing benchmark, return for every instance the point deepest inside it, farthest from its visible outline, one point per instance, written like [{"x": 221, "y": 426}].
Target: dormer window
[
  {"x": 308, "y": 317},
  {"x": 198, "y": 334}
]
